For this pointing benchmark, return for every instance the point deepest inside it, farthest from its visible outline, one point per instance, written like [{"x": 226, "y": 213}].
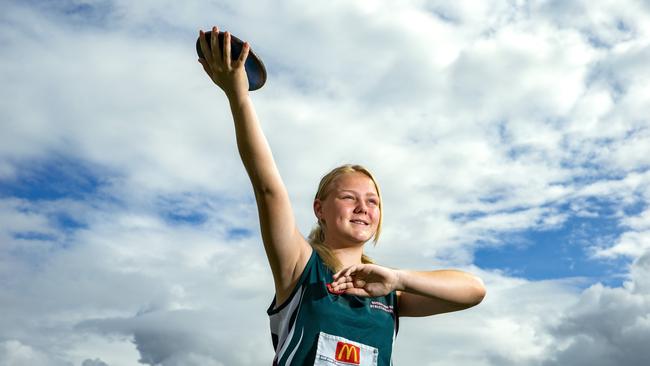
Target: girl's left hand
[{"x": 368, "y": 280}]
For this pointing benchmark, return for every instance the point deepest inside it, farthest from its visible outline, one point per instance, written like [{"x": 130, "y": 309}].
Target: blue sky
[
  {"x": 552, "y": 253},
  {"x": 510, "y": 139}
]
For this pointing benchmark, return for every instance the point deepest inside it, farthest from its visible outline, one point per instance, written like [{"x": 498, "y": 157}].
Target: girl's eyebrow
[{"x": 353, "y": 191}]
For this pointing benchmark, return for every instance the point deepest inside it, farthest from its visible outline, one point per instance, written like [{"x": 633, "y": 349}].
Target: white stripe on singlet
[
  {"x": 280, "y": 323},
  {"x": 293, "y": 353}
]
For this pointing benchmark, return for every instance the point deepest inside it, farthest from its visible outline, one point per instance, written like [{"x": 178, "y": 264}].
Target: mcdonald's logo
[{"x": 348, "y": 353}]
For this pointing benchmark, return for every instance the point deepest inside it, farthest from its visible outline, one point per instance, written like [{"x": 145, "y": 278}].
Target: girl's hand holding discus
[{"x": 228, "y": 74}]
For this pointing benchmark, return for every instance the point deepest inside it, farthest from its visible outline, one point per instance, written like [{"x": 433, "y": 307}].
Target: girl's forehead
[{"x": 355, "y": 181}]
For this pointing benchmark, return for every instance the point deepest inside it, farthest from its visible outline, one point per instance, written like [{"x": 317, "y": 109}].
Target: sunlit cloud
[{"x": 510, "y": 140}]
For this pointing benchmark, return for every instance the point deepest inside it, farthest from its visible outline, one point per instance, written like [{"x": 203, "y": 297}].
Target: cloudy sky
[{"x": 511, "y": 139}]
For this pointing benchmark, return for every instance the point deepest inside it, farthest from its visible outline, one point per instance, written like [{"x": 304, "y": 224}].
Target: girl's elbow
[{"x": 479, "y": 291}]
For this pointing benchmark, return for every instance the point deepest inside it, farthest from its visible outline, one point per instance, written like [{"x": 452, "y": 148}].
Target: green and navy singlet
[{"x": 317, "y": 327}]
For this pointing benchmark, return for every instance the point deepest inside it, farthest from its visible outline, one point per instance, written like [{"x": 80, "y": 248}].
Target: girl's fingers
[
  {"x": 347, "y": 275},
  {"x": 339, "y": 273},
  {"x": 348, "y": 282},
  {"x": 204, "y": 46},
  {"x": 244, "y": 54},
  {"x": 214, "y": 43},
  {"x": 226, "y": 49},
  {"x": 351, "y": 270},
  {"x": 346, "y": 272}
]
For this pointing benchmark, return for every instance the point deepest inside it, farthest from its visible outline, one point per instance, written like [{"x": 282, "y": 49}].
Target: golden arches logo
[{"x": 349, "y": 353}]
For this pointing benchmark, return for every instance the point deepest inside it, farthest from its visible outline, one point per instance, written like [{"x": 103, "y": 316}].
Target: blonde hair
[{"x": 317, "y": 236}]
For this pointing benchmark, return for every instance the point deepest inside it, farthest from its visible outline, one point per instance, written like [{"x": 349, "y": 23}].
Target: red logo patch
[{"x": 348, "y": 353}]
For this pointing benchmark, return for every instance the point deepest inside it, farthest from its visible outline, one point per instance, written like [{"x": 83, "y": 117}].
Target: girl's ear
[{"x": 318, "y": 209}]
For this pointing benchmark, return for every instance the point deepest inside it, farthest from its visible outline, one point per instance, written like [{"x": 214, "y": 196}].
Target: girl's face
[{"x": 350, "y": 210}]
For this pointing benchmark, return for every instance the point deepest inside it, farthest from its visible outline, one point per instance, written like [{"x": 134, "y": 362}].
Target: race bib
[{"x": 335, "y": 350}]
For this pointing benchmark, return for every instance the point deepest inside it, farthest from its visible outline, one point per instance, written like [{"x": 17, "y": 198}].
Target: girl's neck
[{"x": 348, "y": 256}]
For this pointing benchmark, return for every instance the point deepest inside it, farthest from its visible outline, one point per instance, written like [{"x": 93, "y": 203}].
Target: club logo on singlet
[
  {"x": 381, "y": 306},
  {"x": 348, "y": 353}
]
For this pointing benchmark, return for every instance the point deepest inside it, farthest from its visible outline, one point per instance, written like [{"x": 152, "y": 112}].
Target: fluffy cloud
[
  {"x": 607, "y": 326},
  {"x": 95, "y": 362},
  {"x": 13, "y": 352},
  {"x": 480, "y": 120}
]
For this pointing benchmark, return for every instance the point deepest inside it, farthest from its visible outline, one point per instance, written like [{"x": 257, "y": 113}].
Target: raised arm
[{"x": 286, "y": 249}]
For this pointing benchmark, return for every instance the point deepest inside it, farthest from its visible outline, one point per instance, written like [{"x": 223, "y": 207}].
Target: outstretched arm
[
  {"x": 420, "y": 293},
  {"x": 286, "y": 249},
  {"x": 435, "y": 292}
]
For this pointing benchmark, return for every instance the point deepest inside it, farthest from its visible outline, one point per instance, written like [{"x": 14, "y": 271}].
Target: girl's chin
[
  {"x": 361, "y": 238},
  {"x": 353, "y": 241},
  {"x": 355, "y": 236}
]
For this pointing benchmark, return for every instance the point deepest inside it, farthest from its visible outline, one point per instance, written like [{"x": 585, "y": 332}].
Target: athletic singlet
[{"x": 316, "y": 327}]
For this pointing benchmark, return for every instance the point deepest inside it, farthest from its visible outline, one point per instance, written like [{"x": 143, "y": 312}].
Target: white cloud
[
  {"x": 95, "y": 362},
  {"x": 634, "y": 241},
  {"x": 608, "y": 326},
  {"x": 479, "y": 119},
  {"x": 13, "y": 352}
]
